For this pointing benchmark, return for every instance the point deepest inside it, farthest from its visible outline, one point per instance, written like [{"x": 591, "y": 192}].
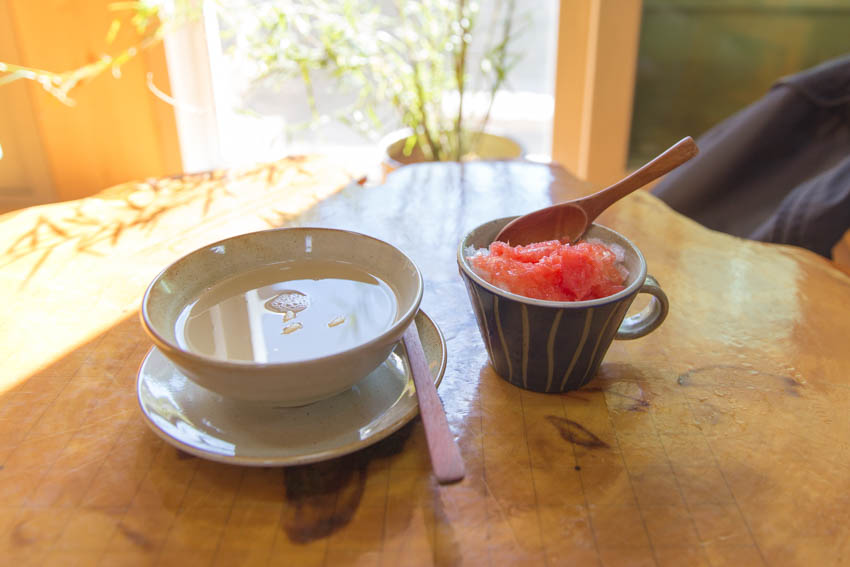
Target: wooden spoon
[
  {"x": 569, "y": 221},
  {"x": 445, "y": 455}
]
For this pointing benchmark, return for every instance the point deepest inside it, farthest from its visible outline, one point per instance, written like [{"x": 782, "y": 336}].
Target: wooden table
[{"x": 720, "y": 439}]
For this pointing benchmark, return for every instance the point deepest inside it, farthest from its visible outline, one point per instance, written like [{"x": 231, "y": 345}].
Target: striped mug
[{"x": 557, "y": 346}]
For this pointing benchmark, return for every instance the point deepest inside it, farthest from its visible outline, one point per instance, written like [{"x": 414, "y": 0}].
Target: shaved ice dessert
[{"x": 551, "y": 270}]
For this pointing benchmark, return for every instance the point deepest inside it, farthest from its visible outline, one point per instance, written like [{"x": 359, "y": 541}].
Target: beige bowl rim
[{"x": 170, "y": 348}]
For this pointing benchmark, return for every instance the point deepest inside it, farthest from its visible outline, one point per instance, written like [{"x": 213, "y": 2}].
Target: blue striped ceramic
[{"x": 555, "y": 346}]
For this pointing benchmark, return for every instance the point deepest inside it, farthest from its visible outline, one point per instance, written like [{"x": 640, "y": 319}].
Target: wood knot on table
[
  {"x": 576, "y": 433},
  {"x": 735, "y": 376}
]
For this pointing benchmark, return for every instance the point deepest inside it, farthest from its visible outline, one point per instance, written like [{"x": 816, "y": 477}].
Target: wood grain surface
[{"x": 719, "y": 439}]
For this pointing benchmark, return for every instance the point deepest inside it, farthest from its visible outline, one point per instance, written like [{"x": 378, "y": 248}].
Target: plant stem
[
  {"x": 420, "y": 94},
  {"x": 460, "y": 75},
  {"x": 501, "y": 52},
  {"x": 430, "y": 143},
  {"x": 60, "y": 84}
]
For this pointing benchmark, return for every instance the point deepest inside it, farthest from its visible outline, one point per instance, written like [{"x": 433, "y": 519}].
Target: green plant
[{"x": 423, "y": 59}]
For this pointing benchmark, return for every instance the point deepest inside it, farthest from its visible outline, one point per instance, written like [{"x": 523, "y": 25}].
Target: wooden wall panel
[
  {"x": 597, "y": 58},
  {"x": 24, "y": 174},
  {"x": 117, "y": 130}
]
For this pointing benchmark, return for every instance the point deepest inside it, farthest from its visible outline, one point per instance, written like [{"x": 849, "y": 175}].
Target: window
[{"x": 228, "y": 118}]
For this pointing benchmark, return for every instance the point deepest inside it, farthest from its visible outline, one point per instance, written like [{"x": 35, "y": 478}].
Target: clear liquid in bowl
[{"x": 287, "y": 312}]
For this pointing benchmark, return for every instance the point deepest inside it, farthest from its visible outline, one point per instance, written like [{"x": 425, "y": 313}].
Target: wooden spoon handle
[
  {"x": 673, "y": 157},
  {"x": 445, "y": 454}
]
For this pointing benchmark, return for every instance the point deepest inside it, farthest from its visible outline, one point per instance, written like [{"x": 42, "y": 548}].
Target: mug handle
[{"x": 643, "y": 323}]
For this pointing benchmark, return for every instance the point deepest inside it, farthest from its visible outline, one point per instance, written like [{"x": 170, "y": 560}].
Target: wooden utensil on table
[
  {"x": 445, "y": 454},
  {"x": 569, "y": 220}
]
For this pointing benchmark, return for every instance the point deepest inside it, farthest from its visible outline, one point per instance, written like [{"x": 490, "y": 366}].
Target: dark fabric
[{"x": 779, "y": 170}]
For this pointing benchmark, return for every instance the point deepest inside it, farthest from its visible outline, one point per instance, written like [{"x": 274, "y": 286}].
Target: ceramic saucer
[{"x": 205, "y": 424}]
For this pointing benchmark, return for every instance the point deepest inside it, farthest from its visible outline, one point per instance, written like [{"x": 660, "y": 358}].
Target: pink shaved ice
[{"x": 553, "y": 271}]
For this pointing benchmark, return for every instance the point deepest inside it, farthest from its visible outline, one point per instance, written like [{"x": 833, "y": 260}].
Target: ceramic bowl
[{"x": 296, "y": 382}]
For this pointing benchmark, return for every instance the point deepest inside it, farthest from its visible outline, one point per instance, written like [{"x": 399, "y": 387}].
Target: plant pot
[{"x": 489, "y": 147}]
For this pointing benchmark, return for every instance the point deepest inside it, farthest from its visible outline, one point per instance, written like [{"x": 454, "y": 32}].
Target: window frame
[{"x": 594, "y": 87}]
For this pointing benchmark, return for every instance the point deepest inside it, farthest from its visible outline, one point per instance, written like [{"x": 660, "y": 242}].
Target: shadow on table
[
  {"x": 146, "y": 212},
  {"x": 74, "y": 439}
]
